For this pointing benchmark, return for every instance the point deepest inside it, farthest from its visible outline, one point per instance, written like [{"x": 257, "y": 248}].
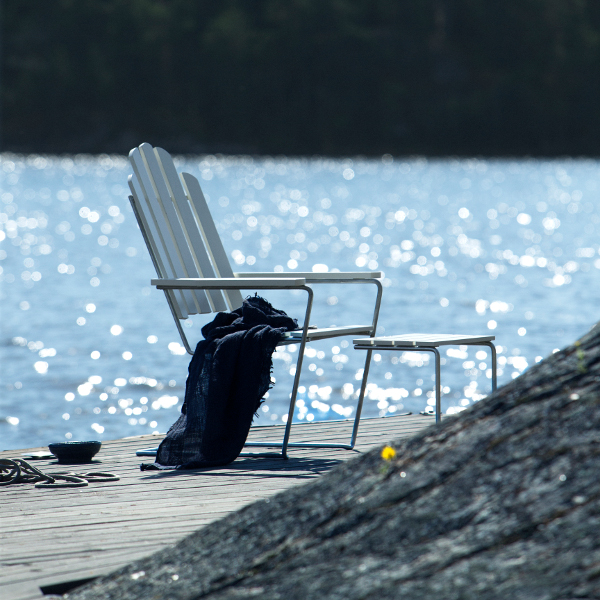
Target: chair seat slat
[
  {"x": 423, "y": 339},
  {"x": 331, "y": 332}
]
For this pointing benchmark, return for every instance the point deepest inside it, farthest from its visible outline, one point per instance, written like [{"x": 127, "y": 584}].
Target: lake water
[{"x": 89, "y": 351}]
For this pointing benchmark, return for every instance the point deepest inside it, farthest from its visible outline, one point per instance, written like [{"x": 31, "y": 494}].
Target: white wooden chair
[{"x": 196, "y": 276}]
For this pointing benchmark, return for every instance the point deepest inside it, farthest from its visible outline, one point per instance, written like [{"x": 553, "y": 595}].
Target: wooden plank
[
  {"x": 108, "y": 539},
  {"x": 91, "y": 564},
  {"x": 22, "y": 590},
  {"x": 101, "y": 520}
]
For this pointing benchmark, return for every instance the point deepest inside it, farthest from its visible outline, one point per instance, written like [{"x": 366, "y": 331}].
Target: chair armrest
[
  {"x": 318, "y": 277},
  {"x": 229, "y": 283}
]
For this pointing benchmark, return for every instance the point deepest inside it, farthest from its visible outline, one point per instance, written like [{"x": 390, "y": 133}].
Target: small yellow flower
[{"x": 388, "y": 453}]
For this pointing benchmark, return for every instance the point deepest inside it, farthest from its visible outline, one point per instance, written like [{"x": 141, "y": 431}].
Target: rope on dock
[{"x": 20, "y": 471}]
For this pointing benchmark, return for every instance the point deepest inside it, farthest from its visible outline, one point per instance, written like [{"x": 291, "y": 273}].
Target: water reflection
[{"x": 88, "y": 348}]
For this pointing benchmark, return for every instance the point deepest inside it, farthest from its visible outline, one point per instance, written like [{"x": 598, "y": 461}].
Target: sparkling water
[{"x": 89, "y": 350}]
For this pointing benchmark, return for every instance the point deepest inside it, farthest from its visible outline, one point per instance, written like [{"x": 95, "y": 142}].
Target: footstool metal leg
[
  {"x": 438, "y": 379},
  {"x": 494, "y": 366},
  {"x": 438, "y": 386},
  {"x": 492, "y": 348}
]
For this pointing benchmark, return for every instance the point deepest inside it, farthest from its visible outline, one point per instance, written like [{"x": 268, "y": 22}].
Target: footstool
[{"x": 423, "y": 342}]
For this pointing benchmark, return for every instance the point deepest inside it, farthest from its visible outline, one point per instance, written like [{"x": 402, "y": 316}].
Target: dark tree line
[{"x": 437, "y": 77}]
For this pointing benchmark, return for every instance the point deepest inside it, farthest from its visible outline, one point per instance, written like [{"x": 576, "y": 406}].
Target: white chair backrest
[{"x": 179, "y": 230}]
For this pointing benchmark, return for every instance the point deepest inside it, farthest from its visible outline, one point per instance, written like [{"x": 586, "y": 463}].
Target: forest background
[{"x": 302, "y": 77}]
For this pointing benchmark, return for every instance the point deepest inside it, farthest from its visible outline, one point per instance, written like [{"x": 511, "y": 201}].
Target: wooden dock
[{"x": 50, "y": 538}]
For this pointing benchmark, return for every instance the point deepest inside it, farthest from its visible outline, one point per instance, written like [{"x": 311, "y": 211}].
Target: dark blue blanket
[{"x": 229, "y": 374}]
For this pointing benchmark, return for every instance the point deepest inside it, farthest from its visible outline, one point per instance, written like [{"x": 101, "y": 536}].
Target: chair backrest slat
[
  {"x": 156, "y": 251},
  {"x": 171, "y": 224},
  {"x": 153, "y": 210},
  {"x": 191, "y": 228},
  {"x": 211, "y": 236},
  {"x": 179, "y": 231},
  {"x": 162, "y": 239}
]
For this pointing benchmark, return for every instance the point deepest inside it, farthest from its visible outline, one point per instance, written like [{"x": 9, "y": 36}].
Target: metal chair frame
[
  {"x": 192, "y": 262},
  {"x": 252, "y": 284}
]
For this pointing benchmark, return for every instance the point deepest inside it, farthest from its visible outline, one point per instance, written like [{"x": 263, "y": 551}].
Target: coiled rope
[{"x": 20, "y": 471}]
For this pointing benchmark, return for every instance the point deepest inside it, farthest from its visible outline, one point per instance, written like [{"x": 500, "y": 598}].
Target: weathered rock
[{"x": 502, "y": 501}]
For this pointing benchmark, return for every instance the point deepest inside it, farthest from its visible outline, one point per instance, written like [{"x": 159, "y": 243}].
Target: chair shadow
[{"x": 260, "y": 467}]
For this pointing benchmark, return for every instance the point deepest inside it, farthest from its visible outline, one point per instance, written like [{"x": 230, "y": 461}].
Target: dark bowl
[{"x": 74, "y": 452}]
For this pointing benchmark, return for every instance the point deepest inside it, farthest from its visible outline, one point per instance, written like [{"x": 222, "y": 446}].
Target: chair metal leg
[
  {"x": 182, "y": 335},
  {"x": 361, "y": 397},
  {"x": 286, "y": 442},
  {"x": 363, "y": 386},
  {"x": 288, "y": 425}
]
